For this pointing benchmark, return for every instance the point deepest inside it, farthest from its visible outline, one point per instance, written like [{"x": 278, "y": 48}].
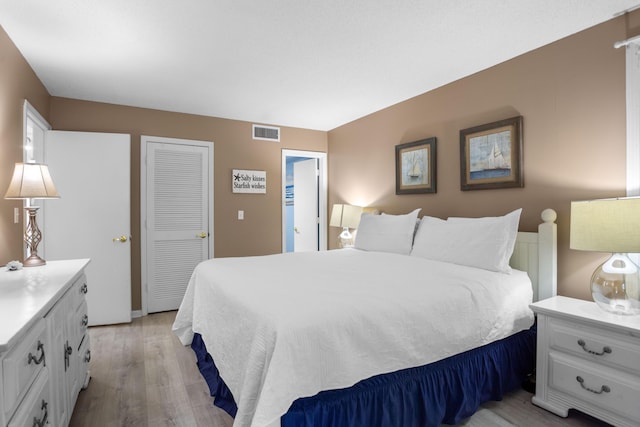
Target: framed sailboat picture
[
  {"x": 416, "y": 167},
  {"x": 491, "y": 155}
]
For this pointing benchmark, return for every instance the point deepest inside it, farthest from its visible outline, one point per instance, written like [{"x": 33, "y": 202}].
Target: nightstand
[{"x": 588, "y": 360}]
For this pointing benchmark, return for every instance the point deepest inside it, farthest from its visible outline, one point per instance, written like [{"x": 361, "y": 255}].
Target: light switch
[
  {"x": 16, "y": 215},
  {"x": 240, "y": 215}
]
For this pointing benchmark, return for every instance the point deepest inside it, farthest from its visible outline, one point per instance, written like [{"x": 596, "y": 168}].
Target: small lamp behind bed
[
  {"x": 345, "y": 216},
  {"x": 610, "y": 225}
]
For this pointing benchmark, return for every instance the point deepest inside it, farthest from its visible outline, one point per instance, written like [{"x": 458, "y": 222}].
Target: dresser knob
[
  {"x": 603, "y": 389},
  {"x": 605, "y": 349}
]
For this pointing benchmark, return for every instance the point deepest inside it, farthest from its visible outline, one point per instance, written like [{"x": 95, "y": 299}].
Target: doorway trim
[
  {"x": 144, "y": 140},
  {"x": 322, "y": 194},
  {"x": 34, "y": 130}
]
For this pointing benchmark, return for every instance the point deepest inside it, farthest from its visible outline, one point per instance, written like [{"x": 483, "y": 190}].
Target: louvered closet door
[{"x": 177, "y": 220}]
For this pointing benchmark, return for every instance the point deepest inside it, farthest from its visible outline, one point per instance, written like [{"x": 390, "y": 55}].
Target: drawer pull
[
  {"x": 603, "y": 388},
  {"x": 605, "y": 349},
  {"x": 85, "y": 320},
  {"x": 67, "y": 352},
  {"x": 87, "y": 356},
  {"x": 43, "y": 421},
  {"x": 84, "y": 289},
  {"x": 37, "y": 360}
]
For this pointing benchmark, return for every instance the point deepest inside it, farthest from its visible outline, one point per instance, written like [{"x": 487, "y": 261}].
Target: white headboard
[{"x": 537, "y": 254}]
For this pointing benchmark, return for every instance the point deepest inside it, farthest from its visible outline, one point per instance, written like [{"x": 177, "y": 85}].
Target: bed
[{"x": 419, "y": 324}]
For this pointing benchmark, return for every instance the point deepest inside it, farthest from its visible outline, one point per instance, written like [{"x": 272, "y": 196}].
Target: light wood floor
[{"x": 142, "y": 376}]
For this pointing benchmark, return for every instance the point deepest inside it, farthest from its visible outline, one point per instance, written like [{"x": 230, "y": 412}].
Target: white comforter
[{"x": 285, "y": 326}]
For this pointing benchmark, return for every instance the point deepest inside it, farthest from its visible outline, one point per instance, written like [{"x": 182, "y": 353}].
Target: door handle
[
  {"x": 120, "y": 239},
  {"x": 202, "y": 235}
]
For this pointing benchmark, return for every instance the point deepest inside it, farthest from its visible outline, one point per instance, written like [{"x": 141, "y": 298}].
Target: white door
[
  {"x": 305, "y": 205},
  {"x": 92, "y": 217},
  {"x": 317, "y": 195},
  {"x": 178, "y": 216}
]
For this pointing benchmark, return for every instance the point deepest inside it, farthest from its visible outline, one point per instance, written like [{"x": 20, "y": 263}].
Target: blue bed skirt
[{"x": 447, "y": 391}]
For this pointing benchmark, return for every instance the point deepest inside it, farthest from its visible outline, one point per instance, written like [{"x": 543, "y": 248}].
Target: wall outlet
[{"x": 240, "y": 215}]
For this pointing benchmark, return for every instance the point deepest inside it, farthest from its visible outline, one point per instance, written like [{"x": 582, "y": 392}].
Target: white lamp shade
[
  {"x": 345, "y": 216},
  {"x": 336, "y": 216},
  {"x": 351, "y": 216},
  {"x": 606, "y": 225},
  {"x": 31, "y": 181}
]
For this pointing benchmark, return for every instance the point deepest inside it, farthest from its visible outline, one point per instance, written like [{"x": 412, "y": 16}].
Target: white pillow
[
  {"x": 386, "y": 233},
  {"x": 510, "y": 223},
  {"x": 477, "y": 242}
]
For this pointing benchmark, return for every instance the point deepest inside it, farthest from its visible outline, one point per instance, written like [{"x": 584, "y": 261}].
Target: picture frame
[
  {"x": 416, "y": 167},
  {"x": 491, "y": 155}
]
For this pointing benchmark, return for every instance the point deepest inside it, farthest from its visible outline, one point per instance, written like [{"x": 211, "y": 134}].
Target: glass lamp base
[
  {"x": 614, "y": 286},
  {"x": 345, "y": 238}
]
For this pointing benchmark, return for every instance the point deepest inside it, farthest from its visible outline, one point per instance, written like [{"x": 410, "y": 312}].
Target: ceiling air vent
[{"x": 267, "y": 133}]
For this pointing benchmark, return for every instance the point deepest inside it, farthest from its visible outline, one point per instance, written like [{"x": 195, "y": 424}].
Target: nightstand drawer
[
  {"x": 601, "y": 346},
  {"x": 600, "y": 386}
]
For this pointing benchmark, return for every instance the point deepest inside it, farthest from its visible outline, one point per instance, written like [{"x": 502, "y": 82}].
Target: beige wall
[
  {"x": 572, "y": 97},
  {"x": 570, "y": 93},
  {"x": 260, "y": 232},
  {"x": 17, "y": 83}
]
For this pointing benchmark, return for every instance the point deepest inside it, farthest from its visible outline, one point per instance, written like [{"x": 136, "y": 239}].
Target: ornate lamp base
[{"x": 32, "y": 237}]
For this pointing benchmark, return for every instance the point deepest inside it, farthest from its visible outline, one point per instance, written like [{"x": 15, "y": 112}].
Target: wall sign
[{"x": 246, "y": 181}]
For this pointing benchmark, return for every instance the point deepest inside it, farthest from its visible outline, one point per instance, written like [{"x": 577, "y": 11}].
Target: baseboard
[{"x": 136, "y": 313}]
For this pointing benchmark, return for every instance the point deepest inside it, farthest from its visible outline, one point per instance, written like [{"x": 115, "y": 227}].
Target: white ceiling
[{"x": 313, "y": 64}]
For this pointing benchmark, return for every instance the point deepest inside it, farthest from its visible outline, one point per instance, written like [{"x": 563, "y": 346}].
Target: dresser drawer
[
  {"x": 601, "y": 346},
  {"x": 84, "y": 354},
  {"x": 604, "y": 387},
  {"x": 80, "y": 322},
  {"x": 35, "y": 409},
  {"x": 78, "y": 291},
  {"x": 22, "y": 364}
]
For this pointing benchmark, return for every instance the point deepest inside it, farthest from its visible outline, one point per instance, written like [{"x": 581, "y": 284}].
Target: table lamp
[
  {"x": 31, "y": 181},
  {"x": 345, "y": 216},
  {"x": 610, "y": 225}
]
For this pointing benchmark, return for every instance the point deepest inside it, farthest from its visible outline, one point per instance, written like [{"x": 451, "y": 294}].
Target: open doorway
[{"x": 304, "y": 201}]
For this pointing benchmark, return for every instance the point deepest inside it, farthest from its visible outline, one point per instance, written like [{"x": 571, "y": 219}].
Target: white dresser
[
  {"x": 588, "y": 360},
  {"x": 44, "y": 344}
]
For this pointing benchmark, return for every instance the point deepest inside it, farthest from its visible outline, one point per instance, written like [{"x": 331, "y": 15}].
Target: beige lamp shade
[
  {"x": 345, "y": 216},
  {"x": 336, "y": 215},
  {"x": 31, "y": 181},
  {"x": 606, "y": 225}
]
